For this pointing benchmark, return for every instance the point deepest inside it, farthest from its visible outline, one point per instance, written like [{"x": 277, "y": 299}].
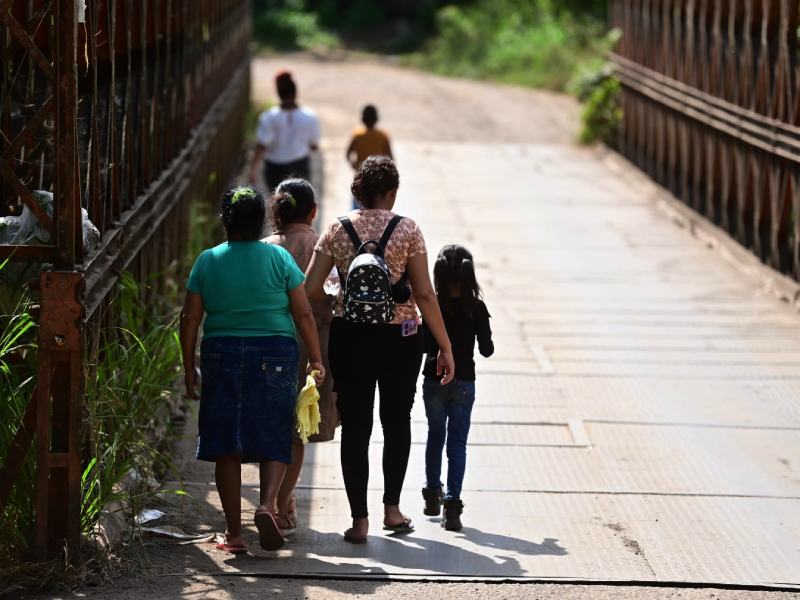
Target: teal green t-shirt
[{"x": 245, "y": 289}]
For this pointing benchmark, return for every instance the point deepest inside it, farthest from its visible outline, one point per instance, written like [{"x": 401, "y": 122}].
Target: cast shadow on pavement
[
  {"x": 411, "y": 554},
  {"x": 548, "y": 547}
]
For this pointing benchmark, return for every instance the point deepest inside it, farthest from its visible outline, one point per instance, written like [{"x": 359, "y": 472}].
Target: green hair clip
[
  {"x": 290, "y": 199},
  {"x": 242, "y": 192}
]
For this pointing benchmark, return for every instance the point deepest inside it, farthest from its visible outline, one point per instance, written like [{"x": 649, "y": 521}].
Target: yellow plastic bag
[{"x": 308, "y": 417}]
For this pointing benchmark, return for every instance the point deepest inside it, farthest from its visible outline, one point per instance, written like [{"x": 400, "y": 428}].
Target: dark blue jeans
[
  {"x": 248, "y": 398},
  {"x": 448, "y": 408}
]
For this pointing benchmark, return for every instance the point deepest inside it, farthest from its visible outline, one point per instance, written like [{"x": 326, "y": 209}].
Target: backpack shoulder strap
[
  {"x": 351, "y": 231},
  {"x": 387, "y": 234}
]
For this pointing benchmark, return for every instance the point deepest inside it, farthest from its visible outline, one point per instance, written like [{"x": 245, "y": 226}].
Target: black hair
[
  {"x": 243, "y": 212},
  {"x": 377, "y": 176},
  {"x": 293, "y": 202},
  {"x": 285, "y": 86},
  {"x": 369, "y": 116},
  {"x": 455, "y": 269}
]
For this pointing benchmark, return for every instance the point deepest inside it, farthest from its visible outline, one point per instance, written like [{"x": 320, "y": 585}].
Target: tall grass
[
  {"x": 130, "y": 394},
  {"x": 17, "y": 379}
]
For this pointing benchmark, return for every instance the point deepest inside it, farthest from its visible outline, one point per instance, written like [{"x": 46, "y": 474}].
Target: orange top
[{"x": 369, "y": 142}]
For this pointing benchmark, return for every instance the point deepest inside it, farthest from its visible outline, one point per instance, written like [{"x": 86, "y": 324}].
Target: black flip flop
[
  {"x": 269, "y": 534},
  {"x": 405, "y": 526}
]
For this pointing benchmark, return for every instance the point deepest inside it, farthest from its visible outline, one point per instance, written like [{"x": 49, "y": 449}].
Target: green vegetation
[
  {"x": 131, "y": 394},
  {"x": 289, "y": 25},
  {"x": 553, "y": 44},
  {"x": 540, "y": 43},
  {"x": 17, "y": 372},
  {"x": 129, "y": 398},
  {"x": 602, "y": 115},
  {"x": 537, "y": 43}
]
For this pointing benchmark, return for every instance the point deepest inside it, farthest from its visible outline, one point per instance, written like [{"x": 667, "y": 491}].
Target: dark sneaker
[
  {"x": 433, "y": 501},
  {"x": 453, "y": 507}
]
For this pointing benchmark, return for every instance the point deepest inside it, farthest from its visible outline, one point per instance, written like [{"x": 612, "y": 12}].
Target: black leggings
[{"x": 362, "y": 356}]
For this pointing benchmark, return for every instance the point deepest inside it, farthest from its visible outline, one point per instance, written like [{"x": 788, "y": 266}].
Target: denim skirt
[{"x": 248, "y": 398}]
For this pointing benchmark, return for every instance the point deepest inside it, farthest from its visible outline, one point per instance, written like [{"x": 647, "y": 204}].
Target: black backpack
[{"x": 369, "y": 296}]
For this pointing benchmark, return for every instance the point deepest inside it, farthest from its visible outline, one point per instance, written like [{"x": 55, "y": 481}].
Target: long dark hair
[
  {"x": 455, "y": 269},
  {"x": 293, "y": 202},
  {"x": 243, "y": 212}
]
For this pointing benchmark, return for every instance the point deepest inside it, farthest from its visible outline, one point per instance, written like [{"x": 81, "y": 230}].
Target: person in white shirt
[{"x": 287, "y": 134}]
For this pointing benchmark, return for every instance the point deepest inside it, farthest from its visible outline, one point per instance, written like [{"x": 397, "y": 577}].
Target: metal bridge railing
[
  {"x": 711, "y": 97},
  {"x": 122, "y": 108}
]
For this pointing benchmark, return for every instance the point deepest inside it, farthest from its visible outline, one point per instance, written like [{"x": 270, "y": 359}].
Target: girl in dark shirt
[{"x": 449, "y": 407}]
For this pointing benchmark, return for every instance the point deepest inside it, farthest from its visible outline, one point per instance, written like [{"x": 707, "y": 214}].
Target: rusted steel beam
[
  {"x": 66, "y": 190},
  {"x": 22, "y": 37},
  {"x": 138, "y": 128},
  {"x": 765, "y": 133},
  {"x": 7, "y": 171},
  {"x": 711, "y": 95},
  {"x": 60, "y": 369},
  {"x": 28, "y": 253},
  {"x": 58, "y": 413},
  {"x": 150, "y": 210},
  {"x": 32, "y": 129}
]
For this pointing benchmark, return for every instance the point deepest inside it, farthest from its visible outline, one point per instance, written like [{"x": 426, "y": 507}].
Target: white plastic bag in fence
[{"x": 26, "y": 229}]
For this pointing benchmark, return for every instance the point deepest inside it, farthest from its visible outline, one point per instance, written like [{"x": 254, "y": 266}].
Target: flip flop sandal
[
  {"x": 269, "y": 534},
  {"x": 405, "y": 526},
  {"x": 231, "y": 548},
  {"x": 291, "y": 522},
  {"x": 353, "y": 539}
]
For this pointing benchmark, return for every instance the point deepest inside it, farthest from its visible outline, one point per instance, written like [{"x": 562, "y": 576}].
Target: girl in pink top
[{"x": 292, "y": 211}]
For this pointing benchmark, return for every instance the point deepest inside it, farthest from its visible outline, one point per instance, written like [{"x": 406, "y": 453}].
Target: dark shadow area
[
  {"x": 390, "y": 27},
  {"x": 399, "y": 555},
  {"x": 548, "y": 547}
]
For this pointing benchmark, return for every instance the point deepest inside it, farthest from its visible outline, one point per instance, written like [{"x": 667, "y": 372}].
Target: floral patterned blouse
[{"x": 406, "y": 241}]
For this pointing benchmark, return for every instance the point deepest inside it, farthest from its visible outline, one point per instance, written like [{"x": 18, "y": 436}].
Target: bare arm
[
  {"x": 307, "y": 327},
  {"x": 317, "y": 273},
  {"x": 191, "y": 317},
  {"x": 483, "y": 331},
  {"x": 255, "y": 165},
  {"x": 426, "y": 299}
]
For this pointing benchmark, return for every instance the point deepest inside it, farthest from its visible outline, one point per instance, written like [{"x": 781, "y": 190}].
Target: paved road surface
[{"x": 640, "y": 421}]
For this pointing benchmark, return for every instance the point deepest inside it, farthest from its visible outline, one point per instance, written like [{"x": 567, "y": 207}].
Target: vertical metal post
[
  {"x": 60, "y": 377},
  {"x": 60, "y": 372},
  {"x": 66, "y": 182}
]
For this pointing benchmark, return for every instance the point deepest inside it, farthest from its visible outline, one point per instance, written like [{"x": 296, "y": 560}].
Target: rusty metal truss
[
  {"x": 711, "y": 97},
  {"x": 123, "y": 108}
]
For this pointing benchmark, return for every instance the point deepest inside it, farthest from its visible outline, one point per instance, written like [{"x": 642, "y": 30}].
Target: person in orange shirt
[{"x": 367, "y": 141}]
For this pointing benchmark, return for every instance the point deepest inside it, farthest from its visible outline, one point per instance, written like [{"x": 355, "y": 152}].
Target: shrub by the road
[{"x": 538, "y": 43}]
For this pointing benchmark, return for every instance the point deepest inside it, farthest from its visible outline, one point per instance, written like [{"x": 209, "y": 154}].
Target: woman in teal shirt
[{"x": 252, "y": 295}]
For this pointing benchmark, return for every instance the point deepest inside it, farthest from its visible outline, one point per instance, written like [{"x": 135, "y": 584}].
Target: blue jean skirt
[{"x": 248, "y": 398}]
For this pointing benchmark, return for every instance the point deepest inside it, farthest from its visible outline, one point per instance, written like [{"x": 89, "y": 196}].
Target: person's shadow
[
  {"x": 548, "y": 547},
  {"x": 409, "y": 554}
]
